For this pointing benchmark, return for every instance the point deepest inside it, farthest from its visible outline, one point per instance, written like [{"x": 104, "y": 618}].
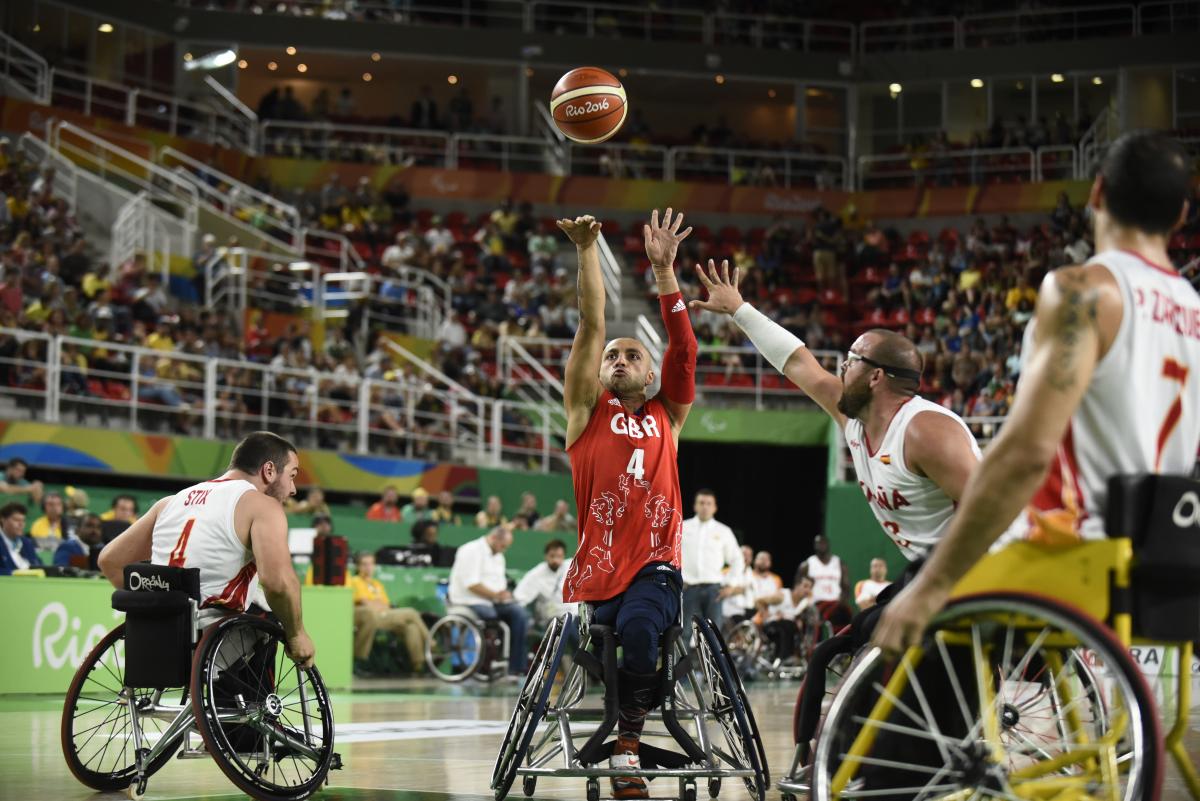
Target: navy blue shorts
[{"x": 642, "y": 613}]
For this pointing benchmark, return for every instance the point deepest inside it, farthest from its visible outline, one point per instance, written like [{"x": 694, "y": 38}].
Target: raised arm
[
  {"x": 582, "y": 381},
  {"x": 786, "y": 352},
  {"x": 679, "y": 362}
]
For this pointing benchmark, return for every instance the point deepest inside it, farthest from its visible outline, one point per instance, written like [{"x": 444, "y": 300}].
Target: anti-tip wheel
[
  {"x": 528, "y": 785},
  {"x": 714, "y": 786},
  {"x": 593, "y": 790}
]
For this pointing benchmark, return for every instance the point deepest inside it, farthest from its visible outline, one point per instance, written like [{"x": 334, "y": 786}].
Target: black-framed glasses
[{"x": 894, "y": 372}]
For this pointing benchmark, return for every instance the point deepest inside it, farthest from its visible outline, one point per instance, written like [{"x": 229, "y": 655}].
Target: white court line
[{"x": 377, "y": 731}]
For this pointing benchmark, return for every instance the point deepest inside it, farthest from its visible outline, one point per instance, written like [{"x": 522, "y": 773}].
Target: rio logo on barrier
[{"x": 57, "y": 638}]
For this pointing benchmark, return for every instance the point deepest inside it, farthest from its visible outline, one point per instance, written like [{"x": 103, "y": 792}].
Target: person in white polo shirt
[
  {"x": 708, "y": 548},
  {"x": 478, "y": 580}
]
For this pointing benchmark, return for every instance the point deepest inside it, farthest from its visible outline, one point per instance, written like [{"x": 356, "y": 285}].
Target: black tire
[
  {"x": 455, "y": 648},
  {"x": 529, "y": 786},
  {"x": 244, "y": 656},
  {"x": 1033, "y": 644},
  {"x": 100, "y": 677},
  {"x": 729, "y": 706},
  {"x": 530, "y": 708},
  {"x": 714, "y": 786}
]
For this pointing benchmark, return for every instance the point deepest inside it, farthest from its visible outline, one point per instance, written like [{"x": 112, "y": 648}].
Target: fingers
[
  {"x": 712, "y": 272},
  {"x": 737, "y": 277},
  {"x": 646, "y": 233},
  {"x": 703, "y": 277},
  {"x": 678, "y": 221},
  {"x": 654, "y": 218},
  {"x": 667, "y": 218},
  {"x": 725, "y": 270},
  {"x": 684, "y": 235},
  {"x": 701, "y": 305},
  {"x": 594, "y": 227}
]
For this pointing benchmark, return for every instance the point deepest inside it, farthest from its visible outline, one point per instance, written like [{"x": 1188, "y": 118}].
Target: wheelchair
[
  {"x": 695, "y": 691},
  {"x": 461, "y": 644},
  {"x": 1015, "y": 693},
  {"x": 755, "y": 654},
  {"x": 158, "y": 686}
]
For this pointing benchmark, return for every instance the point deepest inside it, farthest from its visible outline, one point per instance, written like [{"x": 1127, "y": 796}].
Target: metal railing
[
  {"x": 328, "y": 141},
  {"x": 238, "y": 199},
  {"x": 412, "y": 301},
  {"x": 140, "y": 231},
  {"x": 610, "y": 273},
  {"x": 922, "y": 33},
  {"x": 242, "y": 121},
  {"x": 537, "y": 378},
  {"x": 953, "y": 167},
  {"x": 758, "y": 167},
  {"x": 1168, "y": 16},
  {"x": 142, "y": 389},
  {"x": 1004, "y": 28},
  {"x": 506, "y": 153},
  {"x": 1096, "y": 139},
  {"x": 24, "y": 70}
]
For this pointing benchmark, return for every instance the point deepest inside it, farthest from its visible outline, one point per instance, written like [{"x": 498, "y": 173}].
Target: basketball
[{"x": 588, "y": 105}]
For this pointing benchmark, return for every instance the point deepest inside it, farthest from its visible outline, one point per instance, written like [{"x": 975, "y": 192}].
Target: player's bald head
[
  {"x": 895, "y": 350},
  {"x": 624, "y": 344}
]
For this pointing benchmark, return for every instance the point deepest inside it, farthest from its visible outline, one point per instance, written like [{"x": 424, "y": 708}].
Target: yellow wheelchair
[{"x": 1018, "y": 690}]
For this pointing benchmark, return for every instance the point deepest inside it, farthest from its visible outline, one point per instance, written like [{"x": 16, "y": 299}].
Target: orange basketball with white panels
[{"x": 588, "y": 105}]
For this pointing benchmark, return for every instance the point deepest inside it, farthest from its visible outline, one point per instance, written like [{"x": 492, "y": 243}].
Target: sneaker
[{"x": 625, "y": 756}]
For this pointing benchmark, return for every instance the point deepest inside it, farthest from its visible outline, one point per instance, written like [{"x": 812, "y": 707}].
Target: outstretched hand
[
  {"x": 662, "y": 241},
  {"x": 583, "y": 231},
  {"x": 723, "y": 294}
]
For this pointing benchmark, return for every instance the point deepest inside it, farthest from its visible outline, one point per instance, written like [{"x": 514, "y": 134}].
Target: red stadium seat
[
  {"x": 868, "y": 276},
  {"x": 925, "y": 316}
]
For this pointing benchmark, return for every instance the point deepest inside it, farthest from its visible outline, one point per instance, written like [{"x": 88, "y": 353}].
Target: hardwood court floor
[{"x": 408, "y": 740}]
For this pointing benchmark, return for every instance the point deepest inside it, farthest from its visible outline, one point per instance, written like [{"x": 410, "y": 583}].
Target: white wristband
[{"x": 773, "y": 341}]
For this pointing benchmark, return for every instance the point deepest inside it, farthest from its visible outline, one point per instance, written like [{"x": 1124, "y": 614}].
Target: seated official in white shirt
[
  {"x": 867, "y": 589},
  {"x": 543, "y": 587},
  {"x": 478, "y": 580},
  {"x": 709, "y": 547}
]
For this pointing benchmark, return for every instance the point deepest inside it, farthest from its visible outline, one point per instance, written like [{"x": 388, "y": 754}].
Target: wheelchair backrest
[
  {"x": 1161, "y": 515},
  {"x": 160, "y": 604},
  {"x": 147, "y": 577}
]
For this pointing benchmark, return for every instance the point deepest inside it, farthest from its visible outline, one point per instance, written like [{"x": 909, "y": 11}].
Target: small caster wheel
[
  {"x": 136, "y": 789},
  {"x": 528, "y": 785},
  {"x": 593, "y": 790},
  {"x": 689, "y": 791},
  {"x": 714, "y": 786}
]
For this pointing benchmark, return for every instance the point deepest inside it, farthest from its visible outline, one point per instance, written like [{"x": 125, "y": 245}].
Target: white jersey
[
  {"x": 1141, "y": 411},
  {"x": 826, "y": 578},
  {"x": 913, "y": 510},
  {"x": 195, "y": 529}
]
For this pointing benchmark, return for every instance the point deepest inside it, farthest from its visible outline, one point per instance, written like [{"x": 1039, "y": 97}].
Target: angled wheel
[
  {"x": 455, "y": 648},
  {"x": 728, "y": 705},
  {"x": 530, "y": 708},
  {"x": 1000, "y": 697},
  {"x": 267, "y": 723},
  {"x": 96, "y": 732}
]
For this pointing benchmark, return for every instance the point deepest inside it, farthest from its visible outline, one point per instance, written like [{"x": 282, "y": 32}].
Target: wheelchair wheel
[
  {"x": 999, "y": 699},
  {"x": 729, "y": 706},
  {"x": 455, "y": 648},
  {"x": 97, "y": 738},
  {"x": 745, "y": 644},
  {"x": 267, "y": 723},
  {"x": 530, "y": 708}
]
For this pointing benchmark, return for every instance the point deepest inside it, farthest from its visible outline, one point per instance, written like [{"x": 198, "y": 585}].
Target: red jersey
[{"x": 626, "y": 475}]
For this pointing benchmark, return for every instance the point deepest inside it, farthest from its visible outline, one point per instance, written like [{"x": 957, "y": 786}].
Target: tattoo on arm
[{"x": 1075, "y": 314}]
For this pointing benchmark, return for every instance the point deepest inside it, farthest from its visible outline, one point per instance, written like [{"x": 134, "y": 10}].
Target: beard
[
  {"x": 627, "y": 384},
  {"x": 854, "y": 399},
  {"x": 275, "y": 490}
]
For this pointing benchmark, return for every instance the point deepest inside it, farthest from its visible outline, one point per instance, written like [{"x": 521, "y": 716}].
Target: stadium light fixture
[
  {"x": 895, "y": 89},
  {"x": 105, "y": 27},
  {"x": 452, "y": 79},
  {"x": 976, "y": 83},
  {"x": 376, "y": 57},
  {"x": 291, "y": 51},
  {"x": 1097, "y": 80},
  {"x": 367, "y": 77},
  {"x": 272, "y": 66},
  {"x": 187, "y": 56},
  {"x": 771, "y": 93},
  {"x": 1057, "y": 77},
  {"x": 720, "y": 79},
  {"x": 301, "y": 68},
  {"x": 212, "y": 61}
]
